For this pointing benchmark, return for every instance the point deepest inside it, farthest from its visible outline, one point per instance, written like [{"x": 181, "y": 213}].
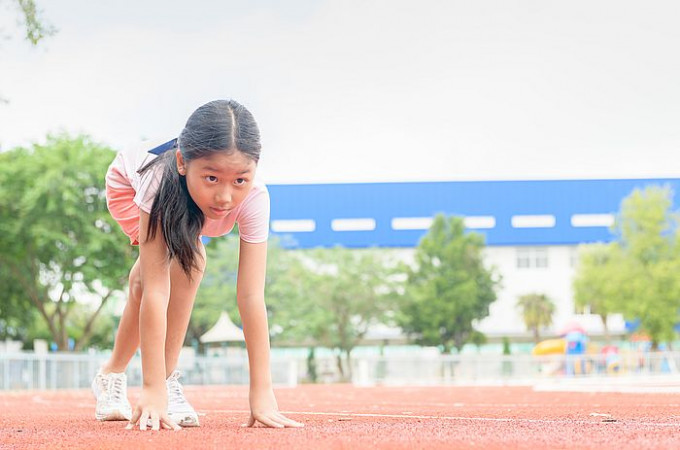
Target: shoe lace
[
  {"x": 116, "y": 389},
  {"x": 175, "y": 390}
]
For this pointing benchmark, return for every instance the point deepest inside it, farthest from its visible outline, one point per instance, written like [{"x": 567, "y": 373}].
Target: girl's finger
[
  {"x": 166, "y": 421},
  {"x": 155, "y": 422},
  {"x": 288, "y": 422},
  {"x": 134, "y": 419},
  {"x": 143, "y": 420},
  {"x": 251, "y": 422},
  {"x": 270, "y": 422}
]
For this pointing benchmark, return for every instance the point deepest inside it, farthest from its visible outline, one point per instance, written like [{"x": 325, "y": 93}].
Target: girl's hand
[
  {"x": 263, "y": 409},
  {"x": 152, "y": 410}
]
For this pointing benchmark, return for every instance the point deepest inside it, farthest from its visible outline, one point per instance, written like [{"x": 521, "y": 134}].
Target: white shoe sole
[
  {"x": 187, "y": 419},
  {"x": 113, "y": 415}
]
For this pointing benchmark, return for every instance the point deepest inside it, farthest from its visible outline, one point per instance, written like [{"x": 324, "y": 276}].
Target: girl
[{"x": 165, "y": 199}]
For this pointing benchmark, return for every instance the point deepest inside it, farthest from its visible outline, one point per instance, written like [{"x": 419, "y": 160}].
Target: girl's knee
[{"x": 135, "y": 281}]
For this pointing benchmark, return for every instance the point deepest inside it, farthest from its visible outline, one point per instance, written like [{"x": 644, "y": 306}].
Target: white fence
[
  {"x": 73, "y": 371},
  {"x": 517, "y": 369}
]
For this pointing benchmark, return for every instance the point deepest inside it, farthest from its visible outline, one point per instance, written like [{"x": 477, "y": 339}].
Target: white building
[{"x": 533, "y": 230}]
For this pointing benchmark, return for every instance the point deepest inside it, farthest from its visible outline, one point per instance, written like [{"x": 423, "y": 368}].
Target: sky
[{"x": 365, "y": 90}]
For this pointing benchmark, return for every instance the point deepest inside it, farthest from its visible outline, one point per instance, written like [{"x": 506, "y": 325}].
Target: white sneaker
[
  {"x": 110, "y": 390},
  {"x": 179, "y": 409}
]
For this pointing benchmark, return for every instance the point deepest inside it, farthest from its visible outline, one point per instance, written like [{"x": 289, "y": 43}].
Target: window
[
  {"x": 573, "y": 256},
  {"x": 532, "y": 257},
  {"x": 541, "y": 257},
  {"x": 523, "y": 258}
]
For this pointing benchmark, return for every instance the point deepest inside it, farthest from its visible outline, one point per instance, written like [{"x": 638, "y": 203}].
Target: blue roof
[{"x": 382, "y": 202}]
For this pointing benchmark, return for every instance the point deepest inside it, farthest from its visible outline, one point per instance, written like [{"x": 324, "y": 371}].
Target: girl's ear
[{"x": 181, "y": 168}]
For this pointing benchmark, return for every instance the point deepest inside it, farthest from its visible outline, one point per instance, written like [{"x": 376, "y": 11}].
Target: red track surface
[{"x": 346, "y": 417}]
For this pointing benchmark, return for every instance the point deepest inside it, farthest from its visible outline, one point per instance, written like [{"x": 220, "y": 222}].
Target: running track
[{"x": 347, "y": 417}]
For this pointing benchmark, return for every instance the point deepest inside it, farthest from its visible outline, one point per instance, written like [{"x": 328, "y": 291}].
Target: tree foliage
[
  {"x": 537, "y": 312},
  {"x": 649, "y": 242},
  {"x": 325, "y": 297},
  {"x": 637, "y": 274},
  {"x": 449, "y": 288},
  {"x": 599, "y": 280},
  {"x": 333, "y": 296},
  {"x": 33, "y": 25},
  {"x": 58, "y": 243}
]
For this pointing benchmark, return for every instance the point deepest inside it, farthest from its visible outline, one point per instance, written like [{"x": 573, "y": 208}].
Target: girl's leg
[
  {"x": 127, "y": 336},
  {"x": 182, "y": 295}
]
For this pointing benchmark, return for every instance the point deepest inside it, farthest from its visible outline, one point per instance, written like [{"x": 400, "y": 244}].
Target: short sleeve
[
  {"x": 253, "y": 218},
  {"x": 148, "y": 187}
]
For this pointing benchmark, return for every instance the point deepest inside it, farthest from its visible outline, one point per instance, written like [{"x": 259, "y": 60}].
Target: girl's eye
[
  {"x": 211, "y": 178},
  {"x": 240, "y": 181}
]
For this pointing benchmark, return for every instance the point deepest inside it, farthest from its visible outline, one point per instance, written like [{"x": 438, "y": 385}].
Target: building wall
[
  {"x": 545, "y": 270},
  {"x": 540, "y": 222}
]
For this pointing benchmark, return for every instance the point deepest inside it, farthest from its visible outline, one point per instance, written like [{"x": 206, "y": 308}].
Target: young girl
[{"x": 165, "y": 198}]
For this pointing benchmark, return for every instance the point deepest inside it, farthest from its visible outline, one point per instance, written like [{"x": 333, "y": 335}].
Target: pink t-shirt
[{"x": 252, "y": 215}]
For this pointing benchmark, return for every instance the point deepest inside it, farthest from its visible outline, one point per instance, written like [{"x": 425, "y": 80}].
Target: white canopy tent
[{"x": 223, "y": 331}]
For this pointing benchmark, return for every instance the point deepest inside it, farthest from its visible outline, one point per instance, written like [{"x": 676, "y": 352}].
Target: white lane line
[{"x": 478, "y": 419}]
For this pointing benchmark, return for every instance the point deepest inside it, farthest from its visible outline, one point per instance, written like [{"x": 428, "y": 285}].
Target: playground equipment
[{"x": 550, "y": 347}]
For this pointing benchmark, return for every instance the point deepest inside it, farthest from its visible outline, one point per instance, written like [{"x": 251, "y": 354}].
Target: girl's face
[{"x": 218, "y": 183}]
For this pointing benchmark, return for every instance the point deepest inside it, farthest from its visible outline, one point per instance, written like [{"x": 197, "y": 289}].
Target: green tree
[
  {"x": 537, "y": 312},
  {"x": 598, "y": 281},
  {"x": 354, "y": 290},
  {"x": 58, "y": 244},
  {"x": 648, "y": 240},
  {"x": 636, "y": 274},
  {"x": 330, "y": 297},
  {"x": 326, "y": 297},
  {"x": 449, "y": 288},
  {"x": 217, "y": 292},
  {"x": 34, "y": 27},
  {"x": 15, "y": 313}
]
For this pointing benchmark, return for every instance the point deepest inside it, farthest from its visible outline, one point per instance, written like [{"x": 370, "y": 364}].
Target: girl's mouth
[{"x": 219, "y": 211}]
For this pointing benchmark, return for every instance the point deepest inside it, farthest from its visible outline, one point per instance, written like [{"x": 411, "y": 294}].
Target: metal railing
[
  {"x": 515, "y": 369},
  {"x": 75, "y": 371}
]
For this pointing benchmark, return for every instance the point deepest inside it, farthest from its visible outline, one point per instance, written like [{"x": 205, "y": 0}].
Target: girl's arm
[
  {"x": 155, "y": 272},
  {"x": 250, "y": 297}
]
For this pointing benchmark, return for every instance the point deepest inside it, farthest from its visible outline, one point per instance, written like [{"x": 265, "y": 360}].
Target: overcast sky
[{"x": 349, "y": 90}]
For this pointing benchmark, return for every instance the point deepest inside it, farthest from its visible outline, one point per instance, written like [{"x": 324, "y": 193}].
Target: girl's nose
[{"x": 224, "y": 196}]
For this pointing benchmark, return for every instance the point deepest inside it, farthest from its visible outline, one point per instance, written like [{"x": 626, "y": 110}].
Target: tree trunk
[
  {"x": 311, "y": 365},
  {"x": 537, "y": 336},
  {"x": 349, "y": 364},
  {"x": 607, "y": 339},
  {"x": 62, "y": 342},
  {"x": 338, "y": 361},
  {"x": 87, "y": 333},
  {"x": 458, "y": 341}
]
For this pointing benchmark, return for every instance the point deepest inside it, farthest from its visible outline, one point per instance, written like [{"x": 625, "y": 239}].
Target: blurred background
[{"x": 462, "y": 192}]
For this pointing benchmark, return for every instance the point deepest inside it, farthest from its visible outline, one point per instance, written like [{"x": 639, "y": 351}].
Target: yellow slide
[{"x": 550, "y": 347}]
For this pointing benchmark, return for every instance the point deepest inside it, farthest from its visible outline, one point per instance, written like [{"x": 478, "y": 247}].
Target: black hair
[{"x": 217, "y": 126}]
